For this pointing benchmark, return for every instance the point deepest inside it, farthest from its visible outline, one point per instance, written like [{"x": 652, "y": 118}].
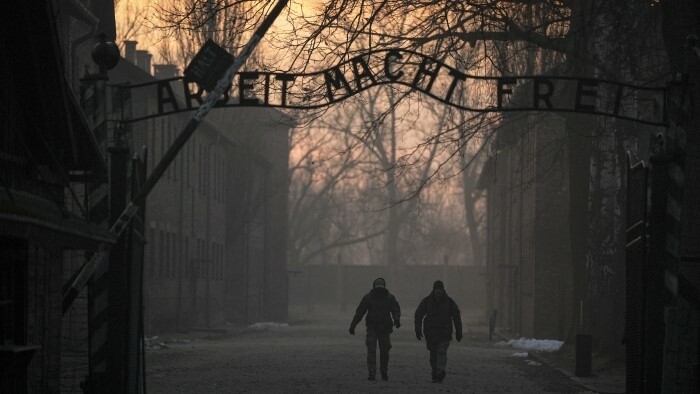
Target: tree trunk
[
  {"x": 468, "y": 186},
  {"x": 393, "y": 225},
  {"x": 579, "y": 129}
]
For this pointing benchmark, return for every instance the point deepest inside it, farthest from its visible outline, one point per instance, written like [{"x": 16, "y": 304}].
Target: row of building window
[
  {"x": 210, "y": 166},
  {"x": 166, "y": 258}
]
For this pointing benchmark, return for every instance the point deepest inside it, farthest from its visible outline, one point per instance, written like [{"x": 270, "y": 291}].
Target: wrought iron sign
[
  {"x": 208, "y": 65},
  {"x": 422, "y": 73}
]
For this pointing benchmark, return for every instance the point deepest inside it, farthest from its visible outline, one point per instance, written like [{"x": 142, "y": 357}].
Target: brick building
[
  {"x": 56, "y": 148},
  {"x": 528, "y": 263},
  {"x": 216, "y": 221},
  {"x": 50, "y": 159}
]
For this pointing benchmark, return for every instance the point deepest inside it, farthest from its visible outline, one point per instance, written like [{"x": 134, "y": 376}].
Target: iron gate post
[{"x": 656, "y": 266}]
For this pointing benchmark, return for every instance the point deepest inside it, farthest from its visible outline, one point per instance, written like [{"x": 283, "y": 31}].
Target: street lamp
[{"x": 105, "y": 55}]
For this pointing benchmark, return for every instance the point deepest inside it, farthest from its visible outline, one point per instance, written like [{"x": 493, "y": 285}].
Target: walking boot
[
  {"x": 385, "y": 376},
  {"x": 441, "y": 376},
  {"x": 434, "y": 377},
  {"x": 370, "y": 377}
]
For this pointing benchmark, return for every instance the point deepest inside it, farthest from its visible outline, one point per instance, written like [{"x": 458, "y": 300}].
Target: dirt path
[{"x": 320, "y": 356}]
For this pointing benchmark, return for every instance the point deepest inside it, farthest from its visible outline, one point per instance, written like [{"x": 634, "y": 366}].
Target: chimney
[
  {"x": 130, "y": 51},
  {"x": 164, "y": 71},
  {"x": 143, "y": 60}
]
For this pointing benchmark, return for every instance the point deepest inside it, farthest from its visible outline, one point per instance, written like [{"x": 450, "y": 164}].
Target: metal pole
[{"x": 81, "y": 278}]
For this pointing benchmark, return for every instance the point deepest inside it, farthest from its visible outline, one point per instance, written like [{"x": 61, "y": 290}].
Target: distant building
[
  {"x": 528, "y": 257},
  {"x": 216, "y": 221}
]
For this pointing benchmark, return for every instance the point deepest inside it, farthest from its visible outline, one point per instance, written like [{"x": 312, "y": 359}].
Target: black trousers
[
  {"x": 438, "y": 355},
  {"x": 384, "y": 342}
]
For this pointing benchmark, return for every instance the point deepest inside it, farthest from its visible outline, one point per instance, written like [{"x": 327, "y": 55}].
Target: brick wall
[
  {"x": 276, "y": 277},
  {"x": 185, "y": 235},
  {"x": 499, "y": 268},
  {"x": 528, "y": 258},
  {"x": 44, "y": 296},
  {"x": 552, "y": 257},
  {"x": 216, "y": 248},
  {"x": 74, "y": 336}
]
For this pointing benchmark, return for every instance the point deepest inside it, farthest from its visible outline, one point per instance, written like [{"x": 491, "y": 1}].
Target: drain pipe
[
  {"x": 78, "y": 10},
  {"x": 207, "y": 177}
]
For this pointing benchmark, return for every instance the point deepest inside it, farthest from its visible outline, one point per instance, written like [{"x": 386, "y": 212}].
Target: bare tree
[
  {"x": 131, "y": 21},
  {"x": 589, "y": 38},
  {"x": 324, "y": 196},
  {"x": 183, "y": 26}
]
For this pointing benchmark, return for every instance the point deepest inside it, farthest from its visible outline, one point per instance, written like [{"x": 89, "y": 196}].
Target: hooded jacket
[
  {"x": 382, "y": 311},
  {"x": 436, "y": 316}
]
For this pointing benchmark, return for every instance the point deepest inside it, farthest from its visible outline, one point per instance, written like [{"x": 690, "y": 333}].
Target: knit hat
[
  {"x": 438, "y": 285},
  {"x": 379, "y": 282}
]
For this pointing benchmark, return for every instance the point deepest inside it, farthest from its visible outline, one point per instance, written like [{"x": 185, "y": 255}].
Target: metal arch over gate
[
  {"x": 398, "y": 66},
  {"x": 423, "y": 73}
]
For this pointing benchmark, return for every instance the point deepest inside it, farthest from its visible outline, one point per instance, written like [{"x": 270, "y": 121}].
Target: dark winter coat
[
  {"x": 382, "y": 311},
  {"x": 437, "y": 317}
]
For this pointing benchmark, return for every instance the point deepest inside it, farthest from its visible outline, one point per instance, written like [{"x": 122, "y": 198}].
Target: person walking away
[
  {"x": 434, "y": 317},
  {"x": 383, "y": 313}
]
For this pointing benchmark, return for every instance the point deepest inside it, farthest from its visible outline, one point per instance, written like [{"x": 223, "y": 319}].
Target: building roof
[
  {"x": 25, "y": 214},
  {"x": 59, "y": 134}
]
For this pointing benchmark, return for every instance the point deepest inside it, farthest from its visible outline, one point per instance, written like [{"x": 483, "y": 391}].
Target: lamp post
[{"x": 105, "y": 55}]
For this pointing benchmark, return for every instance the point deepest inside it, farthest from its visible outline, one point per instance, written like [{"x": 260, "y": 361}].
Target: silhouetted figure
[
  {"x": 435, "y": 315},
  {"x": 383, "y": 313}
]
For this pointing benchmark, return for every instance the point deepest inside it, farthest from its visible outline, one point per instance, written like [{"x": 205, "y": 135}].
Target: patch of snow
[
  {"x": 532, "y": 362},
  {"x": 542, "y": 345},
  {"x": 523, "y": 354},
  {"x": 154, "y": 343},
  {"x": 268, "y": 324}
]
